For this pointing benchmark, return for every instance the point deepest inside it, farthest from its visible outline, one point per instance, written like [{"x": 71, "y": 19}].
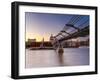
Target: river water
[{"x": 50, "y": 58}]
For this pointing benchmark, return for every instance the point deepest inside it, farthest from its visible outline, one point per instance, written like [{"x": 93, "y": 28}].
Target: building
[{"x": 31, "y": 40}]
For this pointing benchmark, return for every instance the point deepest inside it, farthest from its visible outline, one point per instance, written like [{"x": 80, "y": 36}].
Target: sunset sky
[{"x": 42, "y": 25}]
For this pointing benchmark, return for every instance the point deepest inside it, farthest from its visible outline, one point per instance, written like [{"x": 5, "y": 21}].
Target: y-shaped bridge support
[{"x": 56, "y": 44}]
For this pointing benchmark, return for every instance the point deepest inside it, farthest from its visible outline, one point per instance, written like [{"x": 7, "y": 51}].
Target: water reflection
[
  {"x": 61, "y": 60},
  {"x": 51, "y": 58}
]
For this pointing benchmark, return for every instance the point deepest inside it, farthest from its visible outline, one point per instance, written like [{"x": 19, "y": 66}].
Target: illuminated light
[{"x": 38, "y": 37}]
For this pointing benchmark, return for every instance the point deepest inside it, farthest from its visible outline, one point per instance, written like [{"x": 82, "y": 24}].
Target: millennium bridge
[{"x": 71, "y": 31}]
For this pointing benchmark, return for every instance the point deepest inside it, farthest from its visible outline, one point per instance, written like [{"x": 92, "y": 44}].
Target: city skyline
[{"x": 42, "y": 25}]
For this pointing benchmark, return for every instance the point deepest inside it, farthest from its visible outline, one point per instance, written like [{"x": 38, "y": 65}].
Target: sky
[{"x": 42, "y": 25}]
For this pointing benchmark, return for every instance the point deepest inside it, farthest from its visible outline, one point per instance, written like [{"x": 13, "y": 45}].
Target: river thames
[{"x": 50, "y": 58}]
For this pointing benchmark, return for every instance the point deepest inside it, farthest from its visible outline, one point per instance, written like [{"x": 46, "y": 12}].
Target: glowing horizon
[{"x": 37, "y": 37}]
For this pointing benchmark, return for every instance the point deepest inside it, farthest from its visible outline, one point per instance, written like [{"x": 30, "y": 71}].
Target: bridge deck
[{"x": 83, "y": 32}]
